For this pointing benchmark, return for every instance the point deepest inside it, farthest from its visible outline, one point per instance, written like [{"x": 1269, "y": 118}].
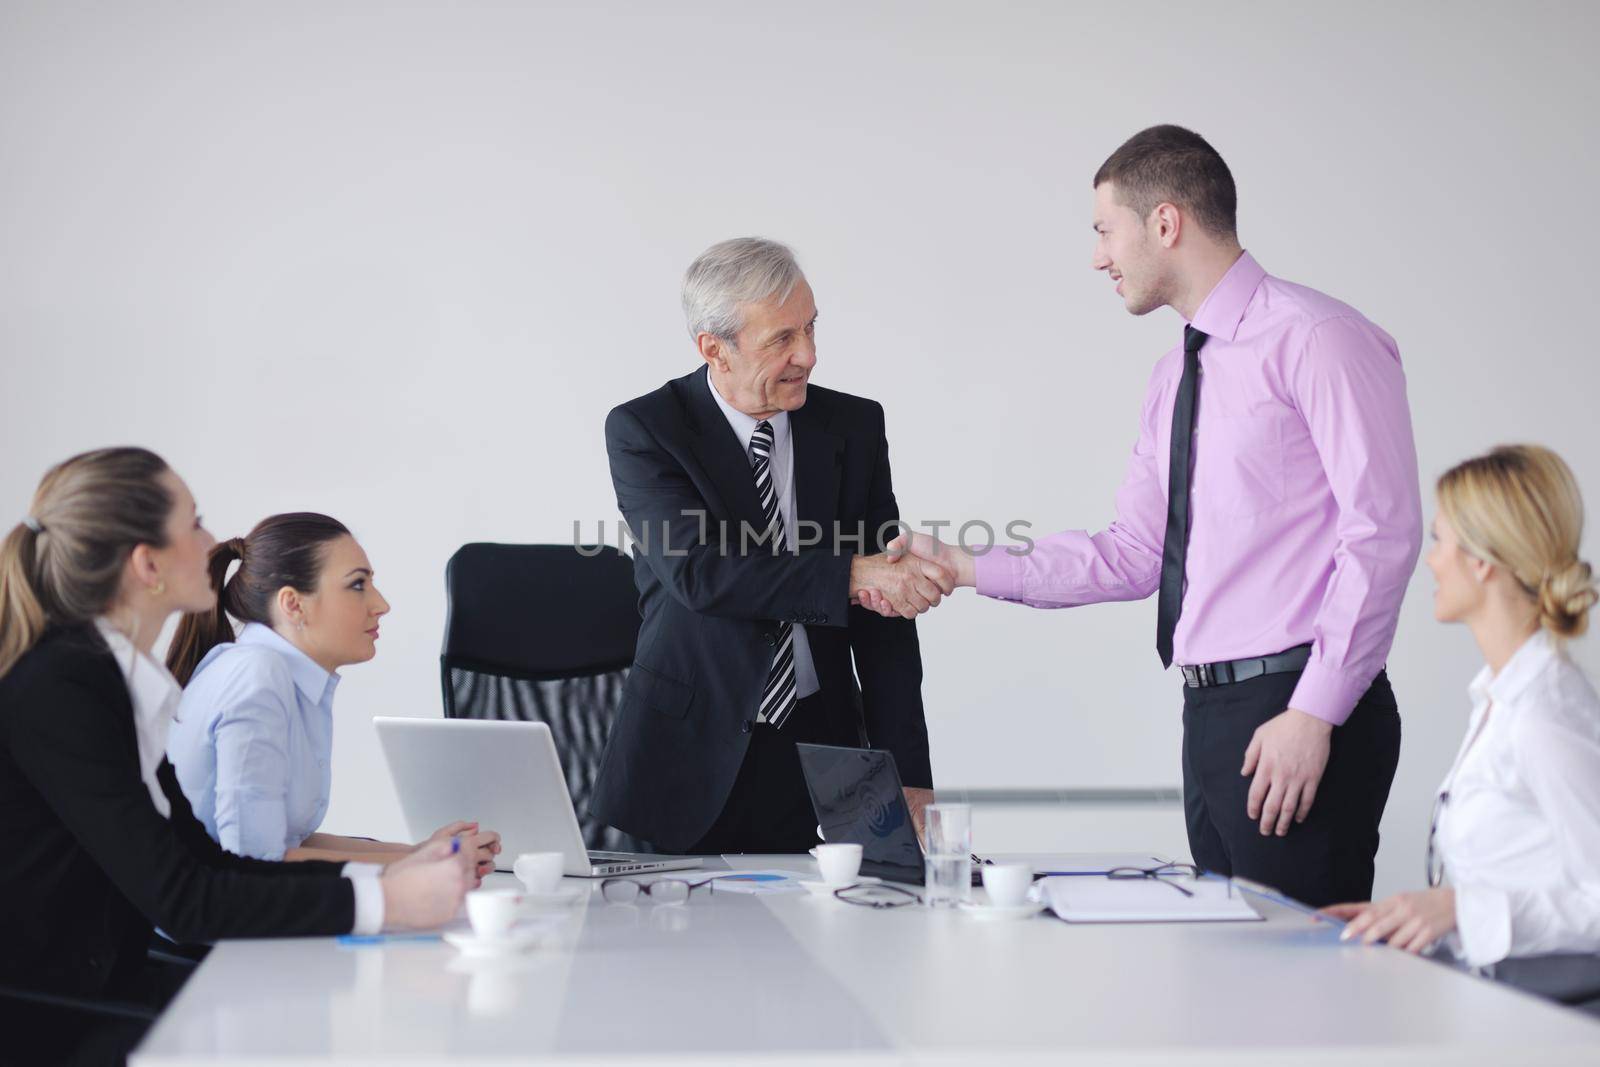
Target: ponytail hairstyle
[
  {"x": 1519, "y": 507},
  {"x": 283, "y": 550},
  {"x": 63, "y": 563}
]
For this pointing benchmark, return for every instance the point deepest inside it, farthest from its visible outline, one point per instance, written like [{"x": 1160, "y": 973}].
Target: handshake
[{"x": 914, "y": 573}]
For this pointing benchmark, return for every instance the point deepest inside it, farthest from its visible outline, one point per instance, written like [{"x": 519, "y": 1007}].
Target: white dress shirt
[
  {"x": 155, "y": 694},
  {"x": 782, "y": 469},
  {"x": 1519, "y": 830}
]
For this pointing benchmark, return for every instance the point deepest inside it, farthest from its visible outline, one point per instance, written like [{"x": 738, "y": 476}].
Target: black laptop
[{"x": 857, "y": 795}]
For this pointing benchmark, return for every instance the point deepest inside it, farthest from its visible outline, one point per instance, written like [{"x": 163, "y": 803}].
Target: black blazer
[
  {"x": 707, "y": 637},
  {"x": 90, "y": 865}
]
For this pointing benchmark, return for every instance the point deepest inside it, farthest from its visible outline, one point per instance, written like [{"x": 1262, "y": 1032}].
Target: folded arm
[{"x": 92, "y": 784}]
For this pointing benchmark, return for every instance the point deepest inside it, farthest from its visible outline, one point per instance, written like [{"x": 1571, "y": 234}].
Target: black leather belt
[{"x": 1206, "y": 675}]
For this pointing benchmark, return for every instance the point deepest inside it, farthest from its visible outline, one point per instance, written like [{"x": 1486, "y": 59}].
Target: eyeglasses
[
  {"x": 877, "y": 896},
  {"x": 1160, "y": 874},
  {"x": 660, "y": 891},
  {"x": 1435, "y": 860}
]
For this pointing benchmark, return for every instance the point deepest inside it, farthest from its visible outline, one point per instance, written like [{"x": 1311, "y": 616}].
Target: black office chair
[{"x": 544, "y": 633}]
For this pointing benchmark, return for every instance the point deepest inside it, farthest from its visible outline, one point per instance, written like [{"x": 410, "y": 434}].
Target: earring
[{"x": 159, "y": 588}]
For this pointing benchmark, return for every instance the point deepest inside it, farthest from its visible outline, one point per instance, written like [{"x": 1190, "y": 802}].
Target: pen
[{"x": 379, "y": 939}]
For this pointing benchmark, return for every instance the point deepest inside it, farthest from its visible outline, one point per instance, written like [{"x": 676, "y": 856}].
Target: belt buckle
[{"x": 1191, "y": 677}]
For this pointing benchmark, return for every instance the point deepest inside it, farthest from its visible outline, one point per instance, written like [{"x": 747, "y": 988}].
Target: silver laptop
[{"x": 504, "y": 775}]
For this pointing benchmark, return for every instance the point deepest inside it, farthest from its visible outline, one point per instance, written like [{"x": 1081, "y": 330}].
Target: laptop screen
[{"x": 856, "y": 792}]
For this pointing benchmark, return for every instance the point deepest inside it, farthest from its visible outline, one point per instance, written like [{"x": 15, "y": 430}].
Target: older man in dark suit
[{"x": 759, "y": 505}]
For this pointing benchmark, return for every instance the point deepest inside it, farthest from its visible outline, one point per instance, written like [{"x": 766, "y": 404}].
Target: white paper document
[
  {"x": 1093, "y": 899},
  {"x": 757, "y": 883}
]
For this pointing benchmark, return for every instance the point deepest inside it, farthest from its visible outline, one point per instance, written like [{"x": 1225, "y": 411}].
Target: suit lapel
[
  {"x": 717, "y": 448},
  {"x": 817, "y": 455}
]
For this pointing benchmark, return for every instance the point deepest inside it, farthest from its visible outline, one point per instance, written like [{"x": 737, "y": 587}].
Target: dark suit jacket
[
  {"x": 708, "y": 632},
  {"x": 90, "y": 865}
]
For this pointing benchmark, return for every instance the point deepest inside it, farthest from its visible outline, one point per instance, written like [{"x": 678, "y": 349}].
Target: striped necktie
[{"x": 778, "y": 696}]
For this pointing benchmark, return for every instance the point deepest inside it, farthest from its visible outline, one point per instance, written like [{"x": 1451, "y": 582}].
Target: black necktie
[
  {"x": 778, "y": 695},
  {"x": 1175, "y": 545}
]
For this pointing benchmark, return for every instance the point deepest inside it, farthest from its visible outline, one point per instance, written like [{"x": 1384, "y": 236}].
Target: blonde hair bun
[
  {"x": 1519, "y": 507},
  {"x": 1565, "y": 597}
]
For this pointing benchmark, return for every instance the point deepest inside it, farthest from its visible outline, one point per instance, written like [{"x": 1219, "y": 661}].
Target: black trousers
[
  {"x": 769, "y": 808},
  {"x": 1328, "y": 858}
]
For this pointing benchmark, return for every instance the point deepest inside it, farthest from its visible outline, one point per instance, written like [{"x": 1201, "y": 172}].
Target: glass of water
[{"x": 947, "y": 858}]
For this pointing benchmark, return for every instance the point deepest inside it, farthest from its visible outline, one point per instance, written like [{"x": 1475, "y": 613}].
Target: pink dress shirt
[{"x": 1305, "y": 513}]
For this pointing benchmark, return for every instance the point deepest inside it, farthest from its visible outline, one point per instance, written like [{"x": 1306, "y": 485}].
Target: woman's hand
[
  {"x": 482, "y": 846},
  {"x": 1408, "y": 921},
  {"x": 445, "y": 833},
  {"x": 424, "y": 889}
]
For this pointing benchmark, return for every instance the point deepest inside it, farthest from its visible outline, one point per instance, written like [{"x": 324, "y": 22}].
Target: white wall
[{"x": 395, "y": 262}]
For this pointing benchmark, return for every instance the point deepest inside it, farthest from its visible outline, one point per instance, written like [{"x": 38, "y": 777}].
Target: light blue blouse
[{"x": 253, "y": 743}]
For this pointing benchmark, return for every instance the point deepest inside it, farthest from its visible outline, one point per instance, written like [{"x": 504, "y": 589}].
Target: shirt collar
[
  {"x": 155, "y": 694},
  {"x": 744, "y": 426},
  {"x": 150, "y": 684},
  {"x": 317, "y": 684},
  {"x": 1222, "y": 310},
  {"x": 1525, "y": 665}
]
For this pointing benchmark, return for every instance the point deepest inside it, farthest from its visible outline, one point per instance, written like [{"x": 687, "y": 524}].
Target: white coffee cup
[
  {"x": 839, "y": 863},
  {"x": 492, "y": 911},
  {"x": 540, "y": 872},
  {"x": 1007, "y": 883}
]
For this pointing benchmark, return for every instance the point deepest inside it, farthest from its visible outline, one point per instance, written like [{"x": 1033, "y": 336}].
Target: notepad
[{"x": 1145, "y": 900}]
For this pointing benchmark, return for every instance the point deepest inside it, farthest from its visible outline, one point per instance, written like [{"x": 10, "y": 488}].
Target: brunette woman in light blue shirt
[{"x": 253, "y": 739}]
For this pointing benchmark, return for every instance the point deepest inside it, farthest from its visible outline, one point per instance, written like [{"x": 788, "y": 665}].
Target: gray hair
[{"x": 731, "y": 274}]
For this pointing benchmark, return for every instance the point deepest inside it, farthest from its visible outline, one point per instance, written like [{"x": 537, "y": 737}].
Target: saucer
[
  {"x": 561, "y": 897},
  {"x": 517, "y": 939},
  {"x": 993, "y": 912},
  {"x": 826, "y": 889}
]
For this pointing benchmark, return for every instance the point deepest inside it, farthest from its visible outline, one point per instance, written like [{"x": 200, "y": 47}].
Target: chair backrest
[{"x": 543, "y": 633}]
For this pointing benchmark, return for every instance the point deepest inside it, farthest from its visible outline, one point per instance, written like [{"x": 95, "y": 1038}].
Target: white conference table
[{"x": 731, "y": 978}]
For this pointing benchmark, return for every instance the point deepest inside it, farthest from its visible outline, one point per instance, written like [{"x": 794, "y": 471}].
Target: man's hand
[
  {"x": 1287, "y": 755},
  {"x": 914, "y": 548},
  {"x": 917, "y": 800},
  {"x": 907, "y": 587},
  {"x": 953, "y": 558},
  {"x": 1408, "y": 921}
]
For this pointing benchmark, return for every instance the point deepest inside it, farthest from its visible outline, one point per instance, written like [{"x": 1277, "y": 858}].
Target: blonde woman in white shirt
[{"x": 1514, "y": 847}]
